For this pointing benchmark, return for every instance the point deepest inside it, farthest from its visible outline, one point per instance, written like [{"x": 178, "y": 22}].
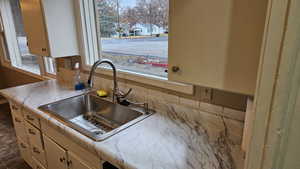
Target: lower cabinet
[
  {"x": 48, "y": 152},
  {"x": 25, "y": 151},
  {"x": 58, "y": 157},
  {"x": 75, "y": 162},
  {"x": 37, "y": 165}
]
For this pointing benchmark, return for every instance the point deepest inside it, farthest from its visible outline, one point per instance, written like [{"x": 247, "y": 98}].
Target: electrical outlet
[{"x": 205, "y": 95}]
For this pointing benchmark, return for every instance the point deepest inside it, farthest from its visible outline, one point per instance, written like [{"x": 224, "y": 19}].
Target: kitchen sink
[{"x": 95, "y": 117}]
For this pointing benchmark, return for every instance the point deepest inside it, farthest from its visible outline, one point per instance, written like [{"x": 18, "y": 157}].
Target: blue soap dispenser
[{"x": 78, "y": 83}]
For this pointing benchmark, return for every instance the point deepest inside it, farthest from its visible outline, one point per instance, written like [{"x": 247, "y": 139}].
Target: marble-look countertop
[{"x": 180, "y": 138}]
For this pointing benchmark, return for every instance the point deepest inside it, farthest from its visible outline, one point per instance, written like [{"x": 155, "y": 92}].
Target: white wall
[{"x": 292, "y": 150}]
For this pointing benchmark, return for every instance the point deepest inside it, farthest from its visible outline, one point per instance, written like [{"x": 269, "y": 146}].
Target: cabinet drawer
[
  {"x": 38, "y": 154},
  {"x": 25, "y": 151},
  {"x": 32, "y": 119},
  {"x": 34, "y": 136},
  {"x": 19, "y": 125},
  {"x": 37, "y": 165},
  {"x": 15, "y": 109}
]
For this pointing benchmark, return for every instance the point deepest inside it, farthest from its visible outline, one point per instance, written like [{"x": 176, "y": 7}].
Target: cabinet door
[
  {"x": 34, "y": 26},
  {"x": 56, "y": 156},
  {"x": 37, "y": 165},
  {"x": 75, "y": 162},
  {"x": 216, "y": 43}
]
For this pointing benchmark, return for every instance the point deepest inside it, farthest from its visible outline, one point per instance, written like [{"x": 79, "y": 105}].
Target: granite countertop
[{"x": 180, "y": 138}]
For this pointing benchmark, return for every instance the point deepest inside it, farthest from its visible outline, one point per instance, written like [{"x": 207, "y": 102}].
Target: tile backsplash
[
  {"x": 228, "y": 105},
  {"x": 222, "y": 114}
]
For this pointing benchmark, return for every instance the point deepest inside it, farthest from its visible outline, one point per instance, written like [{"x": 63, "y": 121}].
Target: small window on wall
[
  {"x": 3, "y": 42},
  {"x": 50, "y": 66},
  {"x": 133, "y": 34},
  {"x": 23, "y": 60}
]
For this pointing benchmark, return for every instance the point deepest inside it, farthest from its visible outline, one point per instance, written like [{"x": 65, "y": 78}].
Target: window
[
  {"x": 3, "y": 42},
  {"x": 133, "y": 34},
  {"x": 14, "y": 42},
  {"x": 50, "y": 66},
  {"x": 24, "y": 60}
]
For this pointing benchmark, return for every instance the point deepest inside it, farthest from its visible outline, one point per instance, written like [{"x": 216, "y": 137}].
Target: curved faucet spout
[{"x": 92, "y": 72}]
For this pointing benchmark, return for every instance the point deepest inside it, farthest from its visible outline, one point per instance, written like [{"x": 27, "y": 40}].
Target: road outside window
[{"x": 134, "y": 34}]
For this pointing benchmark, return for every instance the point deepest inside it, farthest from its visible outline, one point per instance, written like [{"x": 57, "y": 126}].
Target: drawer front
[
  {"x": 37, "y": 165},
  {"x": 34, "y": 136},
  {"x": 25, "y": 151},
  {"x": 15, "y": 109},
  {"x": 19, "y": 125},
  {"x": 32, "y": 119},
  {"x": 38, "y": 154}
]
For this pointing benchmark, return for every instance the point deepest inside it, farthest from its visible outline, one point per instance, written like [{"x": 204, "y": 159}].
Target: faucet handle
[{"x": 122, "y": 95}]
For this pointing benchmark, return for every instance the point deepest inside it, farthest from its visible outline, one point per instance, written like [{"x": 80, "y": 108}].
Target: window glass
[
  {"x": 3, "y": 41},
  {"x": 26, "y": 61},
  {"x": 134, "y": 34},
  {"x": 4, "y": 47},
  {"x": 50, "y": 65}
]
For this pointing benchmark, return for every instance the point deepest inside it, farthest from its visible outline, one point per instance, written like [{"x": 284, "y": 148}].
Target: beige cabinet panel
[
  {"x": 34, "y": 136},
  {"x": 39, "y": 155},
  {"x": 25, "y": 151},
  {"x": 56, "y": 156},
  {"x": 50, "y": 27},
  {"x": 15, "y": 109},
  {"x": 75, "y": 162},
  {"x": 32, "y": 119},
  {"x": 37, "y": 165},
  {"x": 34, "y": 27},
  {"x": 19, "y": 125},
  {"x": 216, "y": 43},
  {"x": 67, "y": 143}
]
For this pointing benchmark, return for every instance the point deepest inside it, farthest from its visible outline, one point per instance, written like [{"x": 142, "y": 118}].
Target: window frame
[
  {"x": 8, "y": 35},
  {"x": 3, "y": 44},
  {"x": 45, "y": 65},
  {"x": 90, "y": 44}
]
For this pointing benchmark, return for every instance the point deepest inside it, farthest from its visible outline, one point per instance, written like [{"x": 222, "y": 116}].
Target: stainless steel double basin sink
[{"x": 95, "y": 117}]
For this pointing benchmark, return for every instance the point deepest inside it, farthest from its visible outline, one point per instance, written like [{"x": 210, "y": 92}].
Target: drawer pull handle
[
  {"x": 14, "y": 108},
  {"x": 23, "y": 146},
  {"x": 29, "y": 118},
  {"x": 17, "y": 120},
  {"x": 69, "y": 163},
  {"x": 31, "y": 131},
  {"x": 62, "y": 159},
  {"x": 35, "y": 150}
]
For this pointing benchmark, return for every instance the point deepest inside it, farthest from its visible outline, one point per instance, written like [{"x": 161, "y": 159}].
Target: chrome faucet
[{"x": 117, "y": 94}]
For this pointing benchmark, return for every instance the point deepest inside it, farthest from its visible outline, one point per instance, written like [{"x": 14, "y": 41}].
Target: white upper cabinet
[
  {"x": 216, "y": 44},
  {"x": 50, "y": 27}
]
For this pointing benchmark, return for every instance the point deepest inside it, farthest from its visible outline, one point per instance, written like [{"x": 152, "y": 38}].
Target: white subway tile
[
  {"x": 211, "y": 108},
  {"x": 189, "y": 102}
]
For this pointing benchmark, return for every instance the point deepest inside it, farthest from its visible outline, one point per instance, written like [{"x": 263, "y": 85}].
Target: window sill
[
  {"x": 147, "y": 79},
  {"x": 29, "y": 73}
]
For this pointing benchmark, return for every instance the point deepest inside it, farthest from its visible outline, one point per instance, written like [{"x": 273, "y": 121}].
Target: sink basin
[{"x": 94, "y": 117}]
